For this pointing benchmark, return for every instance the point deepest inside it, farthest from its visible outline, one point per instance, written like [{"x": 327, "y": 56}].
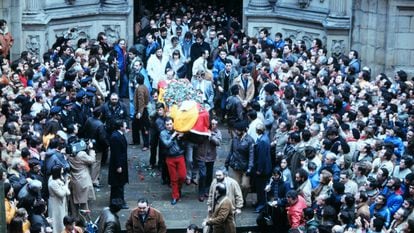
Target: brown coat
[
  {"x": 153, "y": 224},
  {"x": 363, "y": 210},
  {"x": 141, "y": 99},
  {"x": 222, "y": 218},
  {"x": 245, "y": 94}
]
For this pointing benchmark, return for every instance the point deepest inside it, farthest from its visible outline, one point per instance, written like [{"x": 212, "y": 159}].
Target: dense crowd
[{"x": 326, "y": 145}]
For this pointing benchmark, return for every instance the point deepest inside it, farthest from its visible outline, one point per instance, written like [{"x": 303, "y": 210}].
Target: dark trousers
[
  {"x": 154, "y": 138},
  {"x": 138, "y": 127},
  {"x": 117, "y": 191},
  {"x": 205, "y": 172},
  {"x": 260, "y": 184},
  {"x": 162, "y": 165}
]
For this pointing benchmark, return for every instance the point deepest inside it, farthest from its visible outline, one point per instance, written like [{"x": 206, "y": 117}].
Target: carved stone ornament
[
  {"x": 304, "y": 3},
  {"x": 306, "y": 37},
  {"x": 338, "y": 48},
  {"x": 112, "y": 33},
  {"x": 70, "y": 2},
  {"x": 74, "y": 33},
  {"x": 33, "y": 44}
]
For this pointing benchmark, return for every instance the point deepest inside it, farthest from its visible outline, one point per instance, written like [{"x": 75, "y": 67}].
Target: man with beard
[
  {"x": 145, "y": 219},
  {"x": 233, "y": 191},
  {"x": 222, "y": 219},
  {"x": 303, "y": 185},
  {"x": 276, "y": 191},
  {"x": 113, "y": 110}
]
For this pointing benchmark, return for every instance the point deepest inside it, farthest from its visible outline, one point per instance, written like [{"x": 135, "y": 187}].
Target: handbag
[{"x": 268, "y": 216}]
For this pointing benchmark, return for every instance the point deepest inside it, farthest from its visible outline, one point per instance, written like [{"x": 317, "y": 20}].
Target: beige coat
[
  {"x": 222, "y": 218},
  {"x": 248, "y": 93},
  {"x": 58, "y": 207},
  {"x": 233, "y": 192},
  {"x": 82, "y": 187}
]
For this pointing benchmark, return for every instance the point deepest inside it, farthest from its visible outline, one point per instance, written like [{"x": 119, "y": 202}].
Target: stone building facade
[
  {"x": 381, "y": 30},
  {"x": 35, "y": 24}
]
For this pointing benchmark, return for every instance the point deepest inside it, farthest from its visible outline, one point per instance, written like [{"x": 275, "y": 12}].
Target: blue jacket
[
  {"x": 355, "y": 63},
  {"x": 394, "y": 201},
  {"x": 218, "y": 66},
  {"x": 384, "y": 212},
  {"x": 398, "y": 144},
  {"x": 279, "y": 44},
  {"x": 262, "y": 160},
  {"x": 120, "y": 57},
  {"x": 150, "y": 49},
  {"x": 334, "y": 168},
  {"x": 314, "y": 179}
]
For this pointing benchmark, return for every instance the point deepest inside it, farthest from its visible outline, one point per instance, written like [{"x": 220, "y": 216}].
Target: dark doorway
[{"x": 231, "y": 7}]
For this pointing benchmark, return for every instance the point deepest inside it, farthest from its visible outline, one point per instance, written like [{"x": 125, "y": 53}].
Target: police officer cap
[
  {"x": 86, "y": 80},
  {"x": 65, "y": 102},
  {"x": 55, "y": 110},
  {"x": 80, "y": 94},
  {"x": 90, "y": 94},
  {"x": 91, "y": 89}
]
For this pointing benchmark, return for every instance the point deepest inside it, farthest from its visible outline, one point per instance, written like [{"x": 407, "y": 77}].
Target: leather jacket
[
  {"x": 95, "y": 129},
  {"x": 173, "y": 146},
  {"x": 108, "y": 222},
  {"x": 241, "y": 156}
]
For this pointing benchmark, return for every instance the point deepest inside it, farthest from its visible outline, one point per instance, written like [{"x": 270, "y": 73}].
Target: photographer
[
  {"x": 81, "y": 157},
  {"x": 274, "y": 216}
]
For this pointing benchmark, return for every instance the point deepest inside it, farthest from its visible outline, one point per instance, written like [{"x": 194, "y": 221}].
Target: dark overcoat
[{"x": 119, "y": 158}]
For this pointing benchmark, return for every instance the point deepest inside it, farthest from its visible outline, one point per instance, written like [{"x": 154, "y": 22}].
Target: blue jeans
[
  {"x": 205, "y": 172},
  {"x": 123, "y": 86},
  {"x": 131, "y": 101},
  {"x": 190, "y": 149}
]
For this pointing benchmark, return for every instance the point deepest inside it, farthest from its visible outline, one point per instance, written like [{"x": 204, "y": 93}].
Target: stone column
[
  {"x": 337, "y": 7},
  {"x": 259, "y": 5},
  {"x": 33, "y": 6},
  {"x": 114, "y": 4}
]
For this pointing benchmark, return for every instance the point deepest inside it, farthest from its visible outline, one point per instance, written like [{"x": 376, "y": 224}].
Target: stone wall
[
  {"x": 383, "y": 31},
  {"x": 35, "y": 24},
  {"x": 302, "y": 20}
]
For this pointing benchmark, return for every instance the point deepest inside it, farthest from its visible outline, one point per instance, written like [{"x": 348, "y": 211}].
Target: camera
[{"x": 75, "y": 147}]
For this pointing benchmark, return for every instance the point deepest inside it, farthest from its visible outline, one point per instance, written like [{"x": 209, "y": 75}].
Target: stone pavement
[{"x": 144, "y": 182}]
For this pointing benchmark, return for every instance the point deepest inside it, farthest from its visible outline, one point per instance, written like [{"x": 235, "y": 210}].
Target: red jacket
[{"x": 295, "y": 213}]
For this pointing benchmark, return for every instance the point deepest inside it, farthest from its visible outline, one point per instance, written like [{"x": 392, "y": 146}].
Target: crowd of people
[{"x": 326, "y": 145}]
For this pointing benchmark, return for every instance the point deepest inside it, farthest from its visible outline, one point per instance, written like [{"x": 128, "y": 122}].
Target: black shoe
[
  {"x": 193, "y": 181},
  {"x": 125, "y": 207},
  {"x": 174, "y": 201},
  {"x": 201, "y": 198},
  {"x": 97, "y": 185}
]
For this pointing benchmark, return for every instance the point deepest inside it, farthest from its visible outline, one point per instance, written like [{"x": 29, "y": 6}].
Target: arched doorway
[{"x": 233, "y": 7}]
